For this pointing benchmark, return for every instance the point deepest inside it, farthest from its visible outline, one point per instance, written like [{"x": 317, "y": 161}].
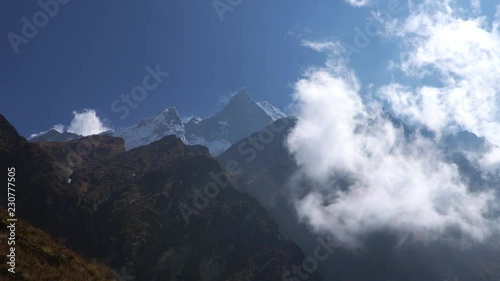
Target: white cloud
[
  {"x": 398, "y": 185},
  {"x": 462, "y": 53},
  {"x": 86, "y": 123},
  {"x": 406, "y": 186},
  {"x": 358, "y": 3},
  {"x": 59, "y": 128},
  {"x": 321, "y": 46}
]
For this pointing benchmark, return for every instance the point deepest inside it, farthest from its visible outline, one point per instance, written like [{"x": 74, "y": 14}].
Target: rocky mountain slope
[
  {"x": 164, "y": 211},
  {"x": 239, "y": 118},
  {"x": 41, "y": 258}
]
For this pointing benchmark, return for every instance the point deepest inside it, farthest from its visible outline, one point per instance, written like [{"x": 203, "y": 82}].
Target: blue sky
[{"x": 91, "y": 52}]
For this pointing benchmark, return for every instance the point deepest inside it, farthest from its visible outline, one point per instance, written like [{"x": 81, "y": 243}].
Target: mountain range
[
  {"x": 239, "y": 118},
  {"x": 265, "y": 174},
  {"x": 150, "y": 202},
  {"x": 163, "y": 211}
]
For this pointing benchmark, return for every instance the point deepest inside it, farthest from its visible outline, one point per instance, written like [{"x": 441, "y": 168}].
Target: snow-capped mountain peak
[
  {"x": 238, "y": 119},
  {"x": 171, "y": 116},
  {"x": 166, "y": 122}
]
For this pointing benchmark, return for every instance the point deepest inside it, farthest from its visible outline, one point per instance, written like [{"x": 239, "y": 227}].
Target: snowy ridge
[
  {"x": 241, "y": 117},
  {"x": 214, "y": 147},
  {"x": 167, "y": 122},
  {"x": 271, "y": 110}
]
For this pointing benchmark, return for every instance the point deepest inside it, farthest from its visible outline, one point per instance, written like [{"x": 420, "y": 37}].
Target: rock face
[
  {"x": 265, "y": 167},
  {"x": 164, "y": 211},
  {"x": 239, "y": 118}
]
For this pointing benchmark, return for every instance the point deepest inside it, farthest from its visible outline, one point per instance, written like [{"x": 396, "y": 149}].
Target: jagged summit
[
  {"x": 243, "y": 99},
  {"x": 171, "y": 116},
  {"x": 242, "y": 95},
  {"x": 239, "y": 118}
]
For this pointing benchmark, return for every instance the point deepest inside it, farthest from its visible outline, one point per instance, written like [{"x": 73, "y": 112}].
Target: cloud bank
[{"x": 367, "y": 174}]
